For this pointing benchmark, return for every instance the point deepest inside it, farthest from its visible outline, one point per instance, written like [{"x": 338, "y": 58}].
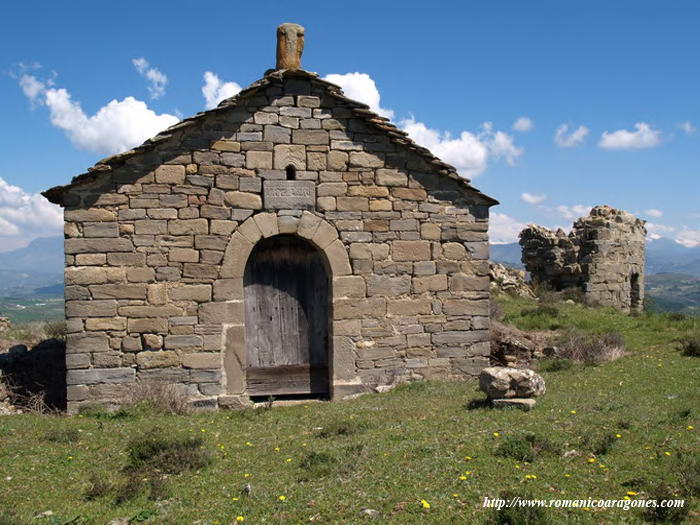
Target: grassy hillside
[{"x": 424, "y": 453}]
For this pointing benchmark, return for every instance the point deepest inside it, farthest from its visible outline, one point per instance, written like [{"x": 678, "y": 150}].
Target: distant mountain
[
  {"x": 38, "y": 265},
  {"x": 508, "y": 254},
  {"x": 667, "y": 256}
]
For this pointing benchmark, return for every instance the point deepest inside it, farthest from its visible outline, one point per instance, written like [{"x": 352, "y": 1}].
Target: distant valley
[{"x": 31, "y": 278}]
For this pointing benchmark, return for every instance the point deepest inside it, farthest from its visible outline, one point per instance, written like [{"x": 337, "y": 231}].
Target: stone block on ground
[{"x": 500, "y": 382}]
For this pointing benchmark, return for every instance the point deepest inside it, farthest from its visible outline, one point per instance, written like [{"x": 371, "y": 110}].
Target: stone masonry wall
[
  {"x": 603, "y": 256},
  {"x": 146, "y": 244}
]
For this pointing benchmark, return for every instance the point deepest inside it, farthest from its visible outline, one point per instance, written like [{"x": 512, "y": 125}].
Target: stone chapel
[{"x": 289, "y": 242}]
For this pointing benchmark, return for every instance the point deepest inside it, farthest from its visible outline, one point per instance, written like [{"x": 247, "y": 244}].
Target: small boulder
[
  {"x": 499, "y": 382},
  {"x": 370, "y": 513}
]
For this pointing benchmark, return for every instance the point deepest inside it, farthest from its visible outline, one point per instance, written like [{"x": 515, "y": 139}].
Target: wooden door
[{"x": 286, "y": 318}]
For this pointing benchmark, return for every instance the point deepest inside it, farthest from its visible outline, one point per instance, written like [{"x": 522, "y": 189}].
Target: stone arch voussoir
[{"x": 309, "y": 226}]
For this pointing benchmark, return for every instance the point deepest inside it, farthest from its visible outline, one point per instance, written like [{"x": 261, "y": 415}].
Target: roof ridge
[{"x": 360, "y": 109}]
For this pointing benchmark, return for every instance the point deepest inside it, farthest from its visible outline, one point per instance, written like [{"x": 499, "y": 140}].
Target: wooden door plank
[{"x": 285, "y": 380}]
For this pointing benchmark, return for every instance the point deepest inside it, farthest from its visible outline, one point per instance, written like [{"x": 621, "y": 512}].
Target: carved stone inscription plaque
[{"x": 289, "y": 194}]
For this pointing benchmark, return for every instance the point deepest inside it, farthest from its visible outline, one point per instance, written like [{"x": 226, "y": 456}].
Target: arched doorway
[{"x": 286, "y": 318}]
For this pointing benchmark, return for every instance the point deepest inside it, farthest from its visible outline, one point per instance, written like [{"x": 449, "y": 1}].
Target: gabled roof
[{"x": 397, "y": 136}]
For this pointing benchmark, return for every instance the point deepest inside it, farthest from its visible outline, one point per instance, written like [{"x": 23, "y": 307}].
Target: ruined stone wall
[
  {"x": 603, "y": 256},
  {"x": 154, "y": 252}
]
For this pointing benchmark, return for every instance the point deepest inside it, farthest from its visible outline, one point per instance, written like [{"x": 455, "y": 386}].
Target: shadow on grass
[{"x": 479, "y": 403}]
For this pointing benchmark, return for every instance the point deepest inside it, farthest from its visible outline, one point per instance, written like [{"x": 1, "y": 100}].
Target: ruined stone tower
[{"x": 603, "y": 256}]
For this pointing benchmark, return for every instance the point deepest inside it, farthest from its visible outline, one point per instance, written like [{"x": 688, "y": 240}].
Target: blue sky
[{"x": 443, "y": 72}]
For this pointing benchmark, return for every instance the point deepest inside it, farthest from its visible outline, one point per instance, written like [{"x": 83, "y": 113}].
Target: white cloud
[
  {"x": 652, "y": 212},
  {"x": 214, "y": 90},
  {"x": 523, "y": 124},
  {"x": 25, "y": 216},
  {"x": 532, "y": 198},
  {"x": 360, "y": 86},
  {"x": 117, "y": 126},
  {"x": 500, "y": 144},
  {"x": 504, "y": 229},
  {"x": 688, "y": 238},
  {"x": 469, "y": 152},
  {"x": 156, "y": 79},
  {"x": 657, "y": 231},
  {"x": 565, "y": 139},
  {"x": 31, "y": 86},
  {"x": 573, "y": 212},
  {"x": 644, "y": 137},
  {"x": 688, "y": 127}
]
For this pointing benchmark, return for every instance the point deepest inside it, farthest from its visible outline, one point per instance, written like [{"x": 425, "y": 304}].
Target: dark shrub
[
  {"x": 591, "y": 348},
  {"x": 690, "y": 345},
  {"x": 602, "y": 445},
  {"x": 317, "y": 465},
  {"x": 341, "y": 428},
  {"x": 131, "y": 488},
  {"x": 688, "y": 469},
  {"x": 55, "y": 329},
  {"x": 157, "y": 451},
  {"x": 518, "y": 448},
  {"x": 62, "y": 435},
  {"x": 525, "y": 447},
  {"x": 99, "y": 487},
  {"x": 554, "y": 364},
  {"x": 542, "y": 311}
]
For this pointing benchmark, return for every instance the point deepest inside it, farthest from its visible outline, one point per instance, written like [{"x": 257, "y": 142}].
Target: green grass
[
  {"x": 29, "y": 309},
  {"x": 389, "y": 451}
]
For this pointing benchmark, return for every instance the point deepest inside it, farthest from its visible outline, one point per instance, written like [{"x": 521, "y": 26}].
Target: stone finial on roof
[{"x": 290, "y": 46}]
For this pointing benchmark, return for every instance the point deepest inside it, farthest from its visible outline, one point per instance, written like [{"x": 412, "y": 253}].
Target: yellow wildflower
[
  {"x": 240, "y": 518},
  {"x": 467, "y": 458},
  {"x": 246, "y": 475},
  {"x": 496, "y": 434},
  {"x": 573, "y": 412},
  {"x": 618, "y": 436},
  {"x": 631, "y": 493},
  {"x": 282, "y": 498},
  {"x": 462, "y": 478},
  {"x": 235, "y": 499},
  {"x": 667, "y": 453},
  {"x": 591, "y": 460},
  {"x": 424, "y": 504},
  {"x": 690, "y": 427}
]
